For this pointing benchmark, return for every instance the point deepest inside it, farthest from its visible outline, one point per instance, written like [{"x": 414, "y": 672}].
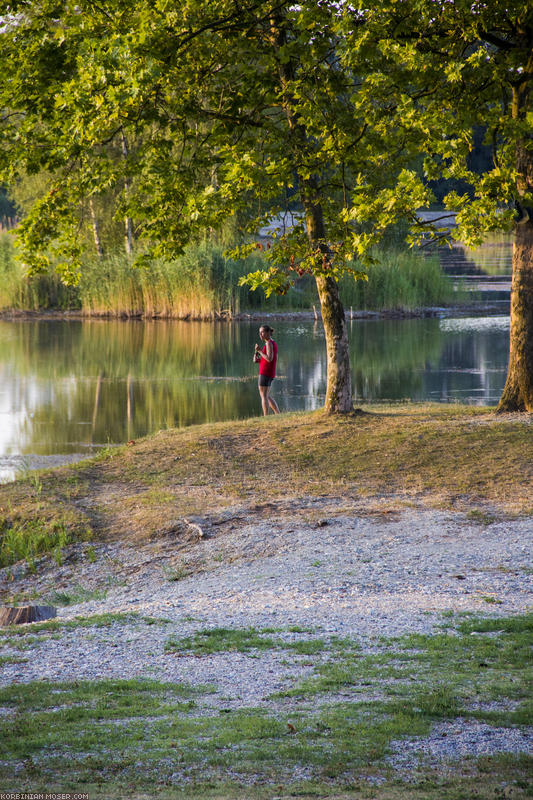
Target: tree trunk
[
  {"x": 339, "y": 386},
  {"x": 518, "y": 391},
  {"x": 128, "y": 224},
  {"x": 339, "y": 382},
  {"x": 96, "y": 230},
  {"x": 22, "y": 614}
]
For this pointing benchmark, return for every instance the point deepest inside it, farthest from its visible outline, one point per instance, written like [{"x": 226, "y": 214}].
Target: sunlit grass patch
[
  {"x": 56, "y": 625},
  {"x": 241, "y": 640},
  {"x": 29, "y": 539}
]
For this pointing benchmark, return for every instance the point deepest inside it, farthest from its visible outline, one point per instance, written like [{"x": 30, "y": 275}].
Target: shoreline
[{"x": 424, "y": 312}]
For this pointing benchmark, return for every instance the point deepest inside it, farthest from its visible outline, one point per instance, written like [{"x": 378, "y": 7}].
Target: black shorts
[{"x": 265, "y": 380}]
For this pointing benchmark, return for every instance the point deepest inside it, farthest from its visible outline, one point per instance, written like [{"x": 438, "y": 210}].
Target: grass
[
  {"x": 400, "y": 280},
  {"x": 226, "y": 640},
  {"x": 31, "y": 538},
  {"x": 94, "y": 621},
  {"x": 443, "y": 456},
  {"x": 78, "y": 594},
  {"x": 86, "y": 736}
]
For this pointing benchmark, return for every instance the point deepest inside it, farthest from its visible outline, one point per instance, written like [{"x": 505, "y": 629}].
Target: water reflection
[
  {"x": 71, "y": 386},
  {"x": 493, "y": 257}
]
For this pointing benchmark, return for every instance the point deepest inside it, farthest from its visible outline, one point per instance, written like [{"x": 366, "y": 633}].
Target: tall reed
[
  {"x": 195, "y": 285},
  {"x": 19, "y": 291},
  {"x": 201, "y": 284},
  {"x": 399, "y": 280}
]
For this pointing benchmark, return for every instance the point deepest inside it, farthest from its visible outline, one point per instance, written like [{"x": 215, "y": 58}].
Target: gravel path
[{"x": 365, "y": 577}]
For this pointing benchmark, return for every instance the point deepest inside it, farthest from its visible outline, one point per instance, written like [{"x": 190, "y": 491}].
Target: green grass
[
  {"x": 30, "y": 539},
  {"x": 481, "y": 517},
  {"x": 9, "y": 659},
  {"x": 243, "y": 640},
  {"x": 94, "y": 621},
  {"x": 139, "y": 738},
  {"x": 400, "y": 280},
  {"x": 78, "y": 594}
]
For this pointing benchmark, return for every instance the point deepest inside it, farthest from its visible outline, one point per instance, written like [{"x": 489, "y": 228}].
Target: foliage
[
  {"x": 6, "y": 206},
  {"x": 280, "y": 107},
  {"x": 275, "y": 108},
  {"x": 461, "y": 68},
  {"x": 30, "y": 292},
  {"x": 31, "y": 539}
]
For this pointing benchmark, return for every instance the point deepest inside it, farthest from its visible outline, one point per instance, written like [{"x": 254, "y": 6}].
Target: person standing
[{"x": 267, "y": 358}]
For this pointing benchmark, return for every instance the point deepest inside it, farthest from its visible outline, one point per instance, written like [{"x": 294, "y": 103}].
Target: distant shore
[{"x": 479, "y": 309}]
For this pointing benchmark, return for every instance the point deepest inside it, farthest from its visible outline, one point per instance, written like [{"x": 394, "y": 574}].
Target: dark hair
[{"x": 267, "y": 328}]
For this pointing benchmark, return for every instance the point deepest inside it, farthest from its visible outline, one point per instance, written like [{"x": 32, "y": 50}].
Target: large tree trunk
[
  {"x": 339, "y": 382},
  {"x": 339, "y": 386},
  {"x": 518, "y": 391}
]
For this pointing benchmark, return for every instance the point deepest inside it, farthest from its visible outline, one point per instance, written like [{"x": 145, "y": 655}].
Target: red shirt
[{"x": 269, "y": 367}]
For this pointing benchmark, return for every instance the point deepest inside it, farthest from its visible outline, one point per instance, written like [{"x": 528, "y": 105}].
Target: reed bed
[
  {"x": 21, "y": 292},
  {"x": 400, "y": 280},
  {"x": 203, "y": 284}
]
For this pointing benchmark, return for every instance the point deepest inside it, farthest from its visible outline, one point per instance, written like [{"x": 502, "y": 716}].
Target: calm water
[{"x": 70, "y": 387}]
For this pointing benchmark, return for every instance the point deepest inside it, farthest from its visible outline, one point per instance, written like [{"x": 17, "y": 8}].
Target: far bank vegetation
[{"x": 203, "y": 284}]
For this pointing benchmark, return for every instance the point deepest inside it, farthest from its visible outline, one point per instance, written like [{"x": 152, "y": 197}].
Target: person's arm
[{"x": 269, "y": 355}]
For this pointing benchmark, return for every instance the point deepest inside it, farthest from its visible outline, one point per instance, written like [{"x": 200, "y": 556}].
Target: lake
[{"x": 70, "y": 387}]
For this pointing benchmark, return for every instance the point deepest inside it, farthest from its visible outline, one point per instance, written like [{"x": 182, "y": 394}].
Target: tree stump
[{"x": 18, "y": 616}]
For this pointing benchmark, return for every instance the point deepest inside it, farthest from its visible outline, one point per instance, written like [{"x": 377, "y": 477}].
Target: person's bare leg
[
  {"x": 273, "y": 405},
  {"x": 263, "y": 391}
]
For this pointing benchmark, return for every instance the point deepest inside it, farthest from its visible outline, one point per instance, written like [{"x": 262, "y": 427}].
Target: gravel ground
[
  {"x": 384, "y": 574},
  {"x": 457, "y": 740}
]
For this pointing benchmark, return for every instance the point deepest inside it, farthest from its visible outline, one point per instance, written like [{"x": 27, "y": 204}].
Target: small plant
[
  {"x": 480, "y": 517},
  {"x": 78, "y": 595},
  {"x": 491, "y": 599},
  {"x": 33, "y": 538},
  {"x": 90, "y": 554},
  {"x": 175, "y": 573},
  {"x": 106, "y": 452}
]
